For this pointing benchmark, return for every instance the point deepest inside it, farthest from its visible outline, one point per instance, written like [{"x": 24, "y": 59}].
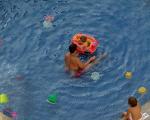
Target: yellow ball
[
  {"x": 142, "y": 90},
  {"x": 128, "y": 75},
  {"x": 3, "y": 99}
]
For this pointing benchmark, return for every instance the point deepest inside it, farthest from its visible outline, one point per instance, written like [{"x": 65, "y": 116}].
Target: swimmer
[
  {"x": 74, "y": 65},
  {"x": 134, "y": 111}
]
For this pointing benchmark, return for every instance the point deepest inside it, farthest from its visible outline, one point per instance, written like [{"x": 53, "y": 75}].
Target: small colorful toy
[
  {"x": 128, "y": 75},
  {"x": 142, "y": 90},
  {"x": 4, "y": 98},
  {"x": 52, "y": 99},
  {"x": 48, "y": 21},
  {"x": 49, "y": 18}
]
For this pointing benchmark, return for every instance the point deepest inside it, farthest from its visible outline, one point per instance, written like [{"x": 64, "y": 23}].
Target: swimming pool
[{"x": 36, "y": 54}]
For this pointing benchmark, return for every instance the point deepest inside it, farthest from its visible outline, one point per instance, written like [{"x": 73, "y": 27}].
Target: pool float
[
  {"x": 128, "y": 75},
  {"x": 142, "y": 90},
  {"x": 52, "y": 99},
  {"x": 85, "y": 43},
  {"x": 3, "y": 98}
]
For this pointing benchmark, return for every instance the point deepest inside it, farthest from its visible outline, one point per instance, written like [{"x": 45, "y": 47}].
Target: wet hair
[
  {"x": 83, "y": 38},
  {"x": 132, "y": 101},
  {"x": 72, "y": 48}
]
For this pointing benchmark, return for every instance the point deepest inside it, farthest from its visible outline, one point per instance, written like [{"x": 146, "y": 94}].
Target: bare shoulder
[{"x": 129, "y": 110}]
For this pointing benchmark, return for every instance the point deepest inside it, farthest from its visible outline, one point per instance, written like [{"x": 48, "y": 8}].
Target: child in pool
[
  {"x": 74, "y": 64},
  {"x": 134, "y": 111}
]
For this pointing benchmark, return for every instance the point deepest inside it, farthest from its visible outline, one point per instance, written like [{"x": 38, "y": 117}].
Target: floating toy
[
  {"x": 142, "y": 90},
  {"x": 48, "y": 21},
  {"x": 52, "y": 99},
  {"x": 128, "y": 75},
  {"x": 10, "y": 113},
  {"x": 85, "y": 43},
  {"x": 49, "y": 18},
  {"x": 3, "y": 99},
  {"x": 95, "y": 75},
  {"x": 47, "y": 24}
]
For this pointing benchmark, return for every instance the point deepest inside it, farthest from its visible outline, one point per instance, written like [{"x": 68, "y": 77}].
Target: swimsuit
[{"x": 79, "y": 73}]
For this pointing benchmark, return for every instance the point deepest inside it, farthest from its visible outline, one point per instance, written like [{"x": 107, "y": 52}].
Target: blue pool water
[{"x": 37, "y": 55}]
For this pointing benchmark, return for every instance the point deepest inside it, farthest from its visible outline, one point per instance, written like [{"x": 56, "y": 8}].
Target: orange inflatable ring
[{"x": 89, "y": 45}]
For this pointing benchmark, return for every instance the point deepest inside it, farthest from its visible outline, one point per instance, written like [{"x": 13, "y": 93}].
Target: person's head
[
  {"x": 83, "y": 38},
  {"x": 132, "y": 101},
  {"x": 72, "y": 48}
]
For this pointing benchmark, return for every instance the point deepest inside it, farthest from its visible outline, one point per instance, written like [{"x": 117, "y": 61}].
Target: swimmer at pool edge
[{"x": 134, "y": 111}]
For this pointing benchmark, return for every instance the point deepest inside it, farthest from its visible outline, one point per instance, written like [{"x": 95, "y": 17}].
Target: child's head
[
  {"x": 132, "y": 101},
  {"x": 72, "y": 48},
  {"x": 83, "y": 38}
]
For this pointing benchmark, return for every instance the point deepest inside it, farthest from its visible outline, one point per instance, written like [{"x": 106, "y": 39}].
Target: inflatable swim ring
[{"x": 85, "y": 43}]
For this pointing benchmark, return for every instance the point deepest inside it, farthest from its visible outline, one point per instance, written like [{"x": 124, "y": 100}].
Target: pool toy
[
  {"x": 142, "y": 90},
  {"x": 3, "y": 98},
  {"x": 52, "y": 99},
  {"x": 128, "y": 75},
  {"x": 95, "y": 76},
  {"x": 48, "y": 21},
  {"x": 49, "y": 18},
  {"x": 10, "y": 113},
  {"x": 85, "y": 43},
  {"x": 47, "y": 24}
]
